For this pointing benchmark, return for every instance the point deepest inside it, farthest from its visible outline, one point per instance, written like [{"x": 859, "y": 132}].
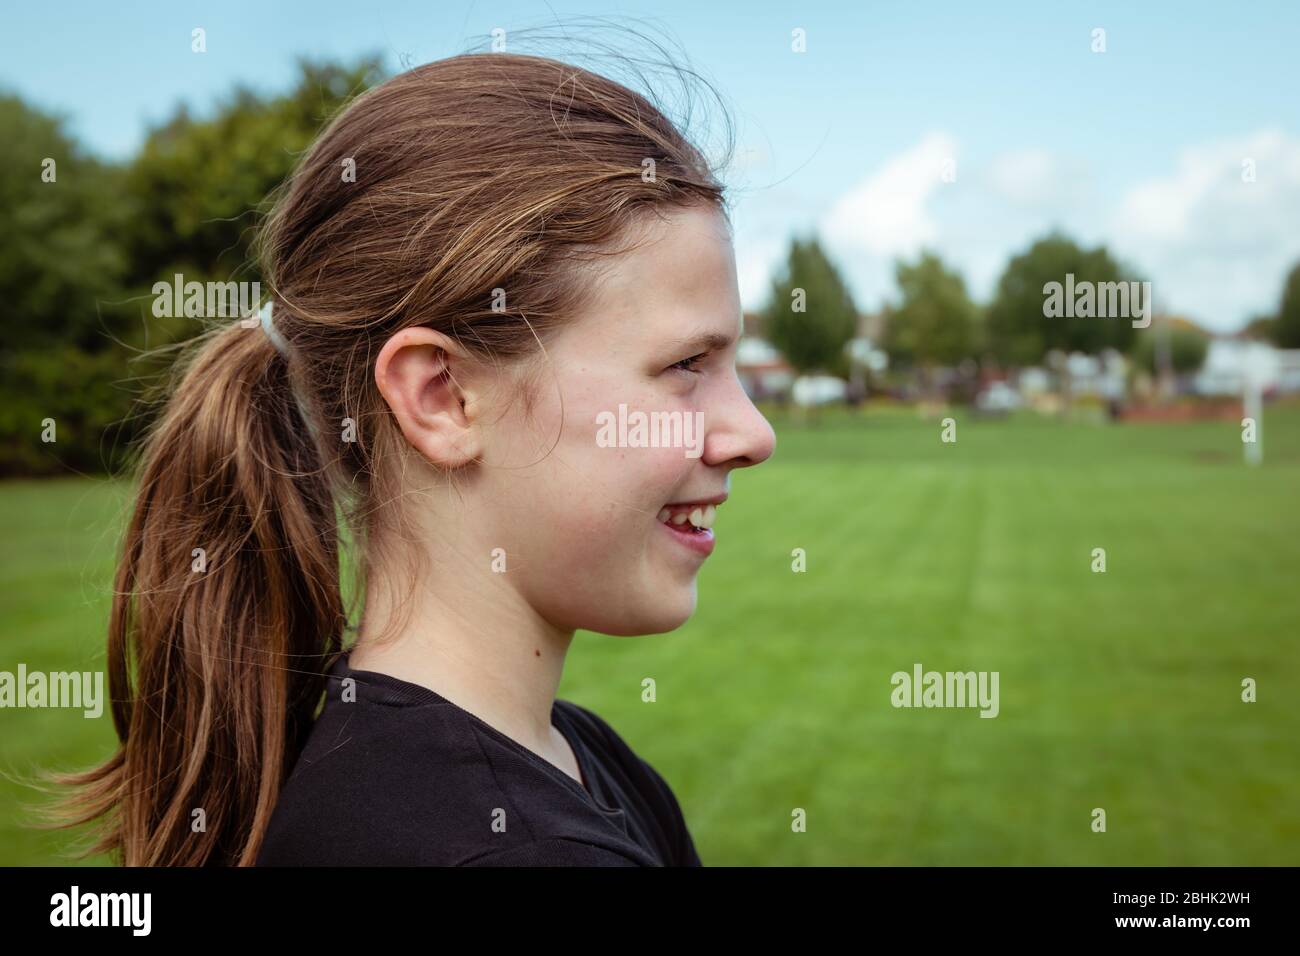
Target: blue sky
[{"x": 1141, "y": 146}]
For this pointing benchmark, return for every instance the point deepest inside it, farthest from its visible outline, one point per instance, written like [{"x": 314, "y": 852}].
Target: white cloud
[
  {"x": 1025, "y": 178},
  {"x": 1216, "y": 247},
  {"x": 1038, "y": 180},
  {"x": 757, "y": 261},
  {"x": 885, "y": 214}
]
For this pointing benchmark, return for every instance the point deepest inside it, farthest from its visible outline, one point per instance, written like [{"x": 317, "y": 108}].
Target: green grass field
[{"x": 1118, "y": 690}]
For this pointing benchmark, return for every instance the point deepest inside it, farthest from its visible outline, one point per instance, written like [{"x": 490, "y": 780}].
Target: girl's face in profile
[{"x": 574, "y": 499}]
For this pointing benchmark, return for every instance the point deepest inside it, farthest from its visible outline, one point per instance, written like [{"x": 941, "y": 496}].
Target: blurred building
[
  {"x": 1229, "y": 362},
  {"x": 762, "y": 370},
  {"x": 1101, "y": 376},
  {"x": 819, "y": 390}
]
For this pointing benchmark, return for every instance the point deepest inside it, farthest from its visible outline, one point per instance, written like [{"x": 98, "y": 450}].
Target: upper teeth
[{"x": 700, "y": 517}]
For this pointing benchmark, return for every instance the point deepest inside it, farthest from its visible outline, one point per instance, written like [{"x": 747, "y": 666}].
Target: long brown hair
[{"x": 480, "y": 172}]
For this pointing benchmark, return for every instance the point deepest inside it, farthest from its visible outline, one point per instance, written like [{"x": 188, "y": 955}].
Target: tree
[
  {"x": 1286, "y": 328},
  {"x": 199, "y": 185},
  {"x": 1188, "y": 345},
  {"x": 60, "y": 270},
  {"x": 1019, "y": 331},
  {"x": 81, "y": 249},
  {"x": 60, "y": 210},
  {"x": 935, "y": 323},
  {"x": 811, "y": 316},
  {"x": 1261, "y": 328}
]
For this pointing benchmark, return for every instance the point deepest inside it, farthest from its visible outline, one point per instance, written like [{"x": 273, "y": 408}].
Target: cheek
[
  {"x": 601, "y": 513},
  {"x": 606, "y": 416},
  {"x": 604, "y": 499},
  {"x": 609, "y": 492},
  {"x": 635, "y": 482},
  {"x": 666, "y": 473}
]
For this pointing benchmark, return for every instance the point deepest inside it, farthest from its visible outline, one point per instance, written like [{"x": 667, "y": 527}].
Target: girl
[{"x": 476, "y": 263}]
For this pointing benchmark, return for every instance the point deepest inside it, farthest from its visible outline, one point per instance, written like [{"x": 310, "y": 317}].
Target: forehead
[{"x": 679, "y": 280}]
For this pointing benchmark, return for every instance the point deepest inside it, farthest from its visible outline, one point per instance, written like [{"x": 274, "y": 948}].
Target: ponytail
[{"x": 226, "y": 615}]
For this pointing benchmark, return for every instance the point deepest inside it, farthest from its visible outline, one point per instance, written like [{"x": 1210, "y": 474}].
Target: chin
[{"x": 658, "y": 617}]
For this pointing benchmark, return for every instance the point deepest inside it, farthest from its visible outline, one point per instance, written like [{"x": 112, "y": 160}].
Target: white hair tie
[
  {"x": 268, "y": 326},
  {"x": 281, "y": 346}
]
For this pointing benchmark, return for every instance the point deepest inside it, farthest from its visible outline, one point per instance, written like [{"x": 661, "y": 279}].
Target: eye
[{"x": 689, "y": 364}]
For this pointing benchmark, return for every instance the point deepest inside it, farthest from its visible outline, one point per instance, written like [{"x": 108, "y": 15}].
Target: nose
[{"x": 738, "y": 435}]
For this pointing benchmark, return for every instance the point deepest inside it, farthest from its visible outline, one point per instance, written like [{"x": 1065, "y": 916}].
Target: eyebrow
[{"x": 704, "y": 342}]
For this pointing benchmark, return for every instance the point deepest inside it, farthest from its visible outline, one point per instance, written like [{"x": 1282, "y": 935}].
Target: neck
[{"x": 476, "y": 642}]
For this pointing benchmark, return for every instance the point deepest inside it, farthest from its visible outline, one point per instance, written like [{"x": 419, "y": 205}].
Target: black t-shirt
[{"x": 402, "y": 776}]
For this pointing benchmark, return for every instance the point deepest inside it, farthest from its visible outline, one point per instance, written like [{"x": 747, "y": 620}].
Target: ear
[{"x": 422, "y": 374}]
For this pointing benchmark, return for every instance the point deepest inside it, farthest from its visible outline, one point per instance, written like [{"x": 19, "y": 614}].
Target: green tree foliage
[
  {"x": 61, "y": 269},
  {"x": 60, "y": 214},
  {"x": 201, "y": 185},
  {"x": 1286, "y": 328},
  {"x": 935, "y": 322},
  {"x": 79, "y": 256},
  {"x": 811, "y": 316},
  {"x": 1261, "y": 328},
  {"x": 1188, "y": 345},
  {"x": 1020, "y": 334}
]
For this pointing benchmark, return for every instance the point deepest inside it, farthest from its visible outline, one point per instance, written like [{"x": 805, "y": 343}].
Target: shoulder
[
  {"x": 639, "y": 776},
  {"x": 590, "y": 721},
  {"x": 404, "y": 786},
  {"x": 597, "y": 732}
]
